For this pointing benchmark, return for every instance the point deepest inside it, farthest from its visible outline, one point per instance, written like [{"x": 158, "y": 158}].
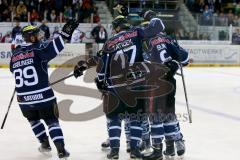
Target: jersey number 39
[{"x": 26, "y": 76}]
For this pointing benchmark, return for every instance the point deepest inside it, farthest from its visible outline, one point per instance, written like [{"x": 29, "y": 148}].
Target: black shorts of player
[
  {"x": 45, "y": 113},
  {"x": 165, "y": 104}
]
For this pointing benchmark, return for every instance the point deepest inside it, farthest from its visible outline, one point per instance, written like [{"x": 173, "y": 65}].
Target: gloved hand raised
[{"x": 68, "y": 29}]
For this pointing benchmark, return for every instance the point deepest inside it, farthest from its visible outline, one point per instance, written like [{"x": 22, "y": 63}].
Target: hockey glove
[
  {"x": 79, "y": 68},
  {"x": 68, "y": 29},
  {"x": 148, "y": 15},
  {"x": 121, "y": 9},
  {"x": 101, "y": 85},
  {"x": 173, "y": 66}
]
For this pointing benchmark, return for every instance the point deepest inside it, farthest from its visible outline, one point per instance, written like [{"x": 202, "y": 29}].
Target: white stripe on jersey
[
  {"x": 55, "y": 47},
  {"x": 61, "y": 40},
  {"x": 186, "y": 60},
  {"x": 33, "y": 92},
  {"x": 35, "y": 102}
]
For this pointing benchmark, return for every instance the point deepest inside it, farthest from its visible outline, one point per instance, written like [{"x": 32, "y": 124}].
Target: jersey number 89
[{"x": 27, "y": 76}]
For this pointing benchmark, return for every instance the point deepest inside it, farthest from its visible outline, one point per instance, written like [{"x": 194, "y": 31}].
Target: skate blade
[
  {"x": 147, "y": 152},
  {"x": 105, "y": 149},
  {"x": 46, "y": 153},
  {"x": 135, "y": 159},
  {"x": 169, "y": 157},
  {"x": 182, "y": 157}
]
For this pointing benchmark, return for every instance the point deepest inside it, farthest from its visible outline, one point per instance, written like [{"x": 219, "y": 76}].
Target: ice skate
[
  {"x": 180, "y": 147},
  {"x": 156, "y": 154},
  {"x": 135, "y": 154},
  {"x": 105, "y": 145},
  {"x": 114, "y": 154},
  {"x": 45, "y": 148},
  {"x": 169, "y": 153}
]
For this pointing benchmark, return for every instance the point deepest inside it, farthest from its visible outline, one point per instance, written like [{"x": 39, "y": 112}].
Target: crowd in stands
[
  {"x": 98, "y": 34},
  {"x": 50, "y": 10},
  {"x": 216, "y": 12}
]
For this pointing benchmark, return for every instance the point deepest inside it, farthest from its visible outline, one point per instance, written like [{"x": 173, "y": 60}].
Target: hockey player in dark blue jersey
[
  {"x": 29, "y": 65},
  {"x": 164, "y": 50},
  {"x": 127, "y": 42}
]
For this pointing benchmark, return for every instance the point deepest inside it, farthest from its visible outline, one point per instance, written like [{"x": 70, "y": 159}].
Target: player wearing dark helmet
[
  {"x": 126, "y": 43},
  {"x": 29, "y": 65}
]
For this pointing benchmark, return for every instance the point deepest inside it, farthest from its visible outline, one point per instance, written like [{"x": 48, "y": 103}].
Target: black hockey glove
[
  {"x": 68, "y": 29},
  {"x": 148, "y": 15},
  {"x": 100, "y": 53},
  {"x": 173, "y": 66},
  {"x": 79, "y": 68},
  {"x": 101, "y": 85}
]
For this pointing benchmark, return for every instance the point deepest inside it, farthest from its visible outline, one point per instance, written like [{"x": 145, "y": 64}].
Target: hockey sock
[
  {"x": 146, "y": 132},
  {"x": 136, "y": 133},
  {"x": 171, "y": 130},
  {"x": 55, "y": 131},
  {"x": 39, "y": 130},
  {"x": 114, "y": 131},
  {"x": 157, "y": 132},
  {"x": 127, "y": 130}
]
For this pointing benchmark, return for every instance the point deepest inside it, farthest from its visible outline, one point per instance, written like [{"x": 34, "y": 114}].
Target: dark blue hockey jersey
[
  {"x": 162, "y": 49},
  {"x": 125, "y": 45},
  {"x": 29, "y": 64}
]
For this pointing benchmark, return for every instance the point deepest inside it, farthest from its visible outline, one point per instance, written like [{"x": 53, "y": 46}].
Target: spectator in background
[
  {"x": 6, "y": 38},
  {"x": 59, "y": 6},
  {"x": 96, "y": 17},
  {"x": 199, "y": 6},
  {"x": 16, "y": 30},
  {"x": 221, "y": 20},
  {"x": 96, "y": 30},
  {"x": 235, "y": 21},
  {"x": 77, "y": 36},
  {"x": 237, "y": 8},
  {"x": 230, "y": 16},
  {"x": 68, "y": 13},
  {"x": 236, "y": 37},
  {"x": 101, "y": 36},
  {"x": 34, "y": 16},
  {"x": 86, "y": 10},
  {"x": 22, "y": 11},
  {"x": 5, "y": 15},
  {"x": 45, "y": 29},
  {"x": 207, "y": 15},
  {"x": 53, "y": 16}
]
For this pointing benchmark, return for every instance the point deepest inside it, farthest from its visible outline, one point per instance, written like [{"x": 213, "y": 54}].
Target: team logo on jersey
[{"x": 22, "y": 56}]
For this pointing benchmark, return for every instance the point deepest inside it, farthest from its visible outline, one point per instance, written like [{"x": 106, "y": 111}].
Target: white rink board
[
  {"x": 214, "y": 134},
  {"x": 201, "y": 54},
  {"x": 70, "y": 51}
]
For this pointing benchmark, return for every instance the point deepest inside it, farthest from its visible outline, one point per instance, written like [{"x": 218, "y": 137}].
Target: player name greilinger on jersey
[{"x": 23, "y": 63}]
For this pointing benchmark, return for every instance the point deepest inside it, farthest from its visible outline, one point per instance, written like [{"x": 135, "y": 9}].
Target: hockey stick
[
  {"x": 10, "y": 103},
  {"x": 62, "y": 79},
  {"x": 185, "y": 93},
  {"x": 9, "y": 106}
]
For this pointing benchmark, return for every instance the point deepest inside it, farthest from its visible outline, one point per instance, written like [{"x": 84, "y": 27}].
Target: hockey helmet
[
  {"x": 120, "y": 21},
  {"x": 29, "y": 31}
]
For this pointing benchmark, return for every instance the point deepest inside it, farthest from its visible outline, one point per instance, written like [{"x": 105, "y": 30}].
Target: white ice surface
[{"x": 214, "y": 95}]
